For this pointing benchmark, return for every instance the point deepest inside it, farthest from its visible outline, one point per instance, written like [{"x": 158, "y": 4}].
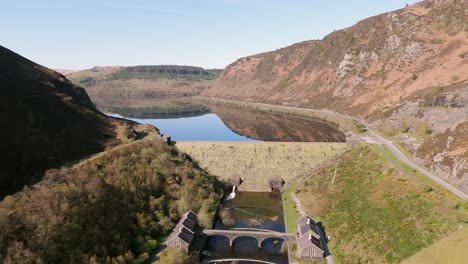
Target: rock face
[
  {"x": 447, "y": 155},
  {"x": 45, "y": 121},
  {"x": 362, "y": 70}
]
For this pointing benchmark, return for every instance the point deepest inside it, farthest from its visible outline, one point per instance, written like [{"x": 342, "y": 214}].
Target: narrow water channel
[{"x": 259, "y": 210}]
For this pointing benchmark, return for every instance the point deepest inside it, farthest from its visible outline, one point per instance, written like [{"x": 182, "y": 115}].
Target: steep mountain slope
[
  {"x": 404, "y": 72},
  {"x": 162, "y": 90},
  {"x": 362, "y": 70},
  {"x": 45, "y": 121}
]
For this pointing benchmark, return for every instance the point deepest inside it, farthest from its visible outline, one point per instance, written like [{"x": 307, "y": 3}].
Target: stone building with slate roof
[
  {"x": 182, "y": 236},
  {"x": 308, "y": 239}
]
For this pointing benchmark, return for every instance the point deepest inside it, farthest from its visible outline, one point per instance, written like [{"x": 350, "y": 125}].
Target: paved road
[
  {"x": 424, "y": 172},
  {"x": 380, "y": 140}
]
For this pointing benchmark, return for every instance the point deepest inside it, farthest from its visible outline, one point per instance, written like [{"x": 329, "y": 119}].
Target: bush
[{"x": 174, "y": 256}]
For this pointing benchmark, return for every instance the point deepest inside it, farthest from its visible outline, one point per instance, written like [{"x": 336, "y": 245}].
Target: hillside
[
  {"x": 46, "y": 121},
  {"x": 143, "y": 91},
  {"x": 117, "y": 208},
  {"x": 376, "y": 213},
  {"x": 362, "y": 70},
  {"x": 114, "y": 207},
  {"x": 405, "y": 72}
]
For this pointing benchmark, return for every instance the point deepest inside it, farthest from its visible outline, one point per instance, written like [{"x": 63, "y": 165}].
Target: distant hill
[
  {"x": 405, "y": 72},
  {"x": 157, "y": 90},
  {"x": 46, "y": 121},
  {"x": 65, "y": 71}
]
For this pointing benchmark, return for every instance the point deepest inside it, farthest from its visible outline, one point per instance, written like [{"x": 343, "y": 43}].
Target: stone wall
[{"x": 258, "y": 162}]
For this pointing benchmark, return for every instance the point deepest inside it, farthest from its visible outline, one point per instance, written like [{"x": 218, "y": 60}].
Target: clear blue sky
[{"x": 70, "y": 34}]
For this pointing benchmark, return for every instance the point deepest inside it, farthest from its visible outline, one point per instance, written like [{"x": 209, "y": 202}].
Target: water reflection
[
  {"x": 208, "y": 127},
  {"x": 237, "y": 124},
  {"x": 277, "y": 127}
]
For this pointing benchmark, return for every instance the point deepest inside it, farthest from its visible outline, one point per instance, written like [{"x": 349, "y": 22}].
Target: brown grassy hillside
[
  {"x": 45, "y": 121},
  {"x": 362, "y": 70},
  {"x": 405, "y": 72}
]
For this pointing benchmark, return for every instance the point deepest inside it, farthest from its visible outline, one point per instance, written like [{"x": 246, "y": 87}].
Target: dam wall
[{"x": 259, "y": 162}]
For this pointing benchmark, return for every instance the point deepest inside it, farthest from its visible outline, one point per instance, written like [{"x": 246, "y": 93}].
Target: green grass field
[
  {"x": 292, "y": 217},
  {"x": 375, "y": 213}
]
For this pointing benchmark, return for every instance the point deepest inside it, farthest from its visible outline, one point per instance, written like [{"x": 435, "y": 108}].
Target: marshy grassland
[{"x": 374, "y": 212}]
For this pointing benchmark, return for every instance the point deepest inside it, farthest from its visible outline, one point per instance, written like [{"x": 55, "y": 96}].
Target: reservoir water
[
  {"x": 259, "y": 210},
  {"x": 237, "y": 124},
  {"x": 208, "y": 127}
]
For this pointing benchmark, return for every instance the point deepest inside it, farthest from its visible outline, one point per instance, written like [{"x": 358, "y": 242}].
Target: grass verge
[{"x": 292, "y": 216}]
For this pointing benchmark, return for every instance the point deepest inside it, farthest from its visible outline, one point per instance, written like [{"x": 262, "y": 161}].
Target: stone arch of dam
[{"x": 257, "y": 163}]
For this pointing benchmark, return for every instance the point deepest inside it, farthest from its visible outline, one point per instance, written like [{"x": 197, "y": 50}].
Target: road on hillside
[
  {"x": 398, "y": 154},
  {"x": 380, "y": 140},
  {"x": 424, "y": 172}
]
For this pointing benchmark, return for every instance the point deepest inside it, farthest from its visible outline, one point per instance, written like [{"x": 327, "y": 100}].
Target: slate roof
[
  {"x": 192, "y": 215},
  {"x": 306, "y": 241},
  {"x": 303, "y": 220},
  {"x": 183, "y": 233},
  {"x": 309, "y": 235},
  {"x": 184, "y": 228},
  {"x": 308, "y": 225},
  {"x": 188, "y": 220},
  {"x": 303, "y": 241}
]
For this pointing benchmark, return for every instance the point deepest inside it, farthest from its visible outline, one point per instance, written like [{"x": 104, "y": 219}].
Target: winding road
[
  {"x": 399, "y": 155},
  {"x": 379, "y": 139}
]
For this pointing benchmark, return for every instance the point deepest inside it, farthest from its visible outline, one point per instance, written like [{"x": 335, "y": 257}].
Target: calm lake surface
[
  {"x": 262, "y": 210},
  {"x": 237, "y": 124},
  {"x": 208, "y": 127}
]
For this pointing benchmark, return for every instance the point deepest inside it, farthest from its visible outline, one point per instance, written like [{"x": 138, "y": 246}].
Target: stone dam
[{"x": 257, "y": 163}]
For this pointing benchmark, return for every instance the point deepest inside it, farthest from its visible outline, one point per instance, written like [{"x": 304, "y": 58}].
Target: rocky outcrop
[
  {"x": 446, "y": 154},
  {"x": 363, "y": 70}
]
